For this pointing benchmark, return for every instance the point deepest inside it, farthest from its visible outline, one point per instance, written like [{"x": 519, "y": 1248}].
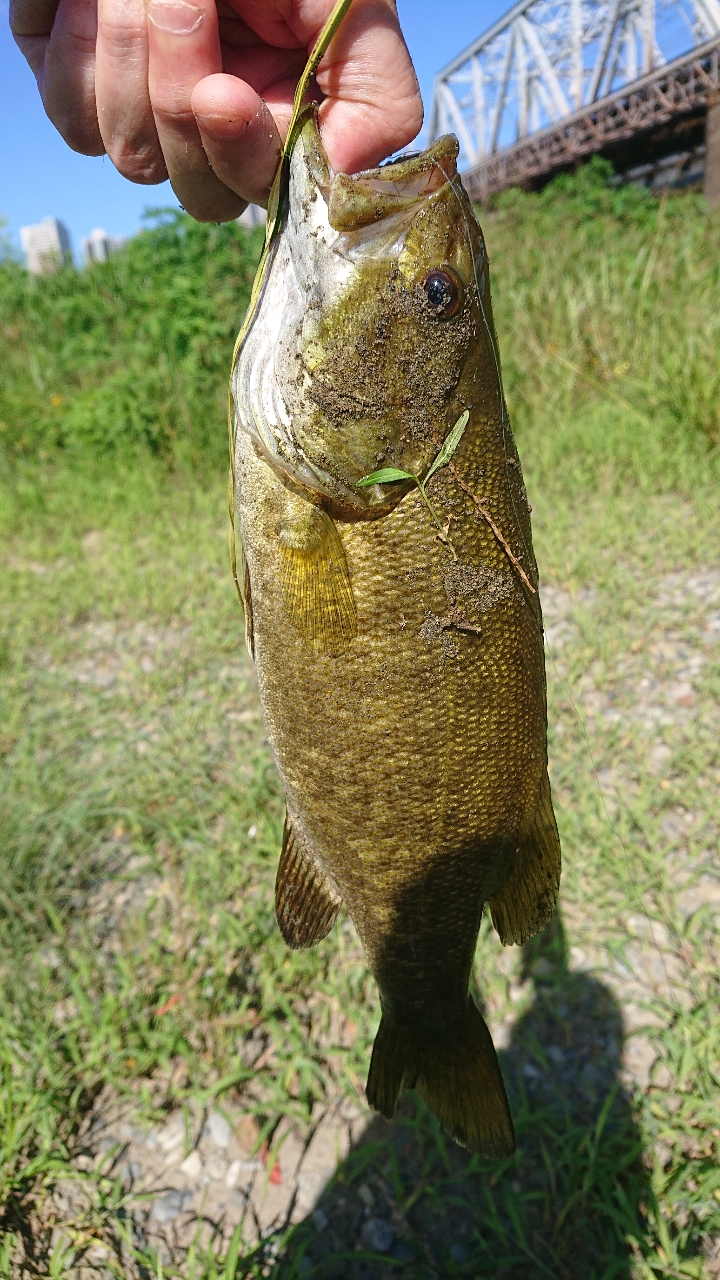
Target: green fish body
[{"x": 400, "y": 664}]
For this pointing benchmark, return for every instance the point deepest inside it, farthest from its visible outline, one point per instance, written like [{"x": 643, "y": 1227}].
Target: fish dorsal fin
[
  {"x": 315, "y": 579},
  {"x": 306, "y": 902},
  {"x": 527, "y": 899}
]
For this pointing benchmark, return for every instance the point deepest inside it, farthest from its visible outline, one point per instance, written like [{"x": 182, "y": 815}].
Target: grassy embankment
[{"x": 133, "y": 754}]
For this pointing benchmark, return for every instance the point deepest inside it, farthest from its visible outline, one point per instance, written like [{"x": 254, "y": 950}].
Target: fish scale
[{"x": 400, "y": 667}]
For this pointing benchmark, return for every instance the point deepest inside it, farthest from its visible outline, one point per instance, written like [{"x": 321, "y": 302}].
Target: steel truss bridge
[{"x": 555, "y": 80}]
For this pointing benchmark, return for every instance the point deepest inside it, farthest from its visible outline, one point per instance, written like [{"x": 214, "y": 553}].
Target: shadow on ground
[{"x": 407, "y": 1202}]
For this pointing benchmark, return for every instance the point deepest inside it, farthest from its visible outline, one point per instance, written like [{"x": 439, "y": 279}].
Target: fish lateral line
[{"x": 492, "y": 336}]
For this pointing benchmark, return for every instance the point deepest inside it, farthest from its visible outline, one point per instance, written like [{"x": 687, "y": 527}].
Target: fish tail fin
[
  {"x": 391, "y": 1066},
  {"x": 460, "y": 1083},
  {"x": 458, "y": 1078}
]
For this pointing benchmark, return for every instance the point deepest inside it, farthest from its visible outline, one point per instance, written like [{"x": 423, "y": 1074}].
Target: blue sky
[{"x": 39, "y": 175}]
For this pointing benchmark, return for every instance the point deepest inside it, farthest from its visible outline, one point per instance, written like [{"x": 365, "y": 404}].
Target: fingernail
[{"x": 175, "y": 16}]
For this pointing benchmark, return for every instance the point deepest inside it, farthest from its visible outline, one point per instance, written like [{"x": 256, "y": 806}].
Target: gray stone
[
  {"x": 218, "y": 1129},
  {"x": 320, "y": 1219},
  {"x": 167, "y": 1207},
  {"x": 237, "y": 1199},
  {"x": 458, "y": 1253},
  {"x": 377, "y": 1235},
  {"x": 172, "y": 1135}
]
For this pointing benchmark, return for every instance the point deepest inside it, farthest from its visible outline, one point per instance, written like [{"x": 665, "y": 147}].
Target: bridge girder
[{"x": 546, "y": 60}]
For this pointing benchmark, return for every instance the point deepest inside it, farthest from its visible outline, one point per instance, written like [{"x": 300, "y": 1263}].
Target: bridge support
[{"x": 711, "y": 185}]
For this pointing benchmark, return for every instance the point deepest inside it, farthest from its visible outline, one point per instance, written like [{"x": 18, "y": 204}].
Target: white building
[
  {"x": 254, "y": 216},
  {"x": 46, "y": 245},
  {"x": 98, "y": 246}
]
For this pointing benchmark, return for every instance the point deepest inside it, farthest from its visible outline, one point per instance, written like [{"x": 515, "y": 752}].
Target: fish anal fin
[
  {"x": 528, "y": 898},
  {"x": 306, "y": 902},
  {"x": 457, "y": 1076},
  {"x": 315, "y": 580}
]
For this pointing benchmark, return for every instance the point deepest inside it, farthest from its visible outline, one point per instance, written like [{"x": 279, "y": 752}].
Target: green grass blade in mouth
[{"x": 387, "y": 475}]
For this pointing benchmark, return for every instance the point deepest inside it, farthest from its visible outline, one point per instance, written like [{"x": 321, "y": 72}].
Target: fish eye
[{"x": 443, "y": 291}]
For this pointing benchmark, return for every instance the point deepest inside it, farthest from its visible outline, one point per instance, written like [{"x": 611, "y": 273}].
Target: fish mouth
[
  {"x": 356, "y": 201},
  {"x": 399, "y": 185}
]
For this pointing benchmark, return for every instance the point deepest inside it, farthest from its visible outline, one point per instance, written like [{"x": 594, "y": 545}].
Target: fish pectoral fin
[
  {"x": 527, "y": 899},
  {"x": 315, "y": 579},
  {"x": 306, "y": 902},
  {"x": 457, "y": 1076}
]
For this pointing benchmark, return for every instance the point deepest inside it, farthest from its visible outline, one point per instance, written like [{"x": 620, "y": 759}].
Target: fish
[{"x": 392, "y": 610}]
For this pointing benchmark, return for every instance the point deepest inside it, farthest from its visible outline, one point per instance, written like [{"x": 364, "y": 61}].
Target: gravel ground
[{"x": 576, "y": 1018}]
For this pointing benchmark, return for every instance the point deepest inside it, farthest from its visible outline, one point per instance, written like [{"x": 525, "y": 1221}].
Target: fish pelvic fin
[
  {"x": 528, "y": 898},
  {"x": 315, "y": 580},
  {"x": 306, "y": 902},
  {"x": 457, "y": 1076}
]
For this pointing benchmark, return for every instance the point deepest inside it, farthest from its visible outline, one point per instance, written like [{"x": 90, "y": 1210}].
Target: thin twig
[{"x": 498, "y": 534}]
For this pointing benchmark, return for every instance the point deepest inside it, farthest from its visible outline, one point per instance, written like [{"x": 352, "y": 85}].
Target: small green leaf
[
  {"x": 450, "y": 445},
  {"x": 386, "y": 476}
]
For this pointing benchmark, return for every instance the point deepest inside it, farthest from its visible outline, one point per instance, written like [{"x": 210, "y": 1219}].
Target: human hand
[{"x": 201, "y": 91}]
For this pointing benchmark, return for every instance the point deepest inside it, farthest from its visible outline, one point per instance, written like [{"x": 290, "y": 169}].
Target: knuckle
[
  {"x": 122, "y": 39},
  {"x": 171, "y": 115},
  {"x": 144, "y": 164}
]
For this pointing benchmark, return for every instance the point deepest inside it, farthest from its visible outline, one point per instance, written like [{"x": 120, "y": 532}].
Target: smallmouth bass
[{"x": 395, "y": 622}]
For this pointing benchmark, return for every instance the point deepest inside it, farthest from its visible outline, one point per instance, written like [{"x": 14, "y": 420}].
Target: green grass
[
  {"x": 135, "y": 771},
  {"x": 130, "y": 355}
]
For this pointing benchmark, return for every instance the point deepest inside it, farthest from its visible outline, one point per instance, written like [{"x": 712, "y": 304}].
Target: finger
[
  {"x": 66, "y": 72},
  {"x": 184, "y": 48},
  {"x": 373, "y": 105},
  {"x": 125, "y": 116},
  {"x": 239, "y": 135},
  {"x": 31, "y": 22},
  {"x": 372, "y": 101}
]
